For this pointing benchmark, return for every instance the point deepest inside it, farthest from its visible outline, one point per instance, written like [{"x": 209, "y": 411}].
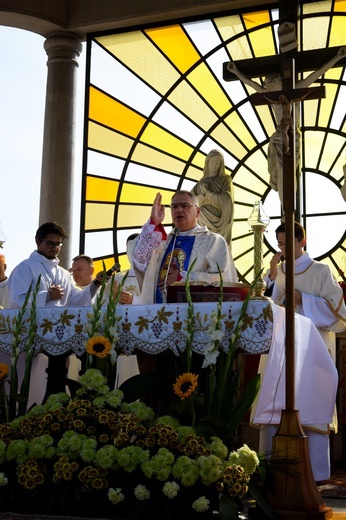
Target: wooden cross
[
  {"x": 290, "y": 441},
  {"x": 286, "y": 98}
]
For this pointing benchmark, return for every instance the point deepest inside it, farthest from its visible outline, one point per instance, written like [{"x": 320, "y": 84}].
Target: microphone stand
[{"x": 164, "y": 292}]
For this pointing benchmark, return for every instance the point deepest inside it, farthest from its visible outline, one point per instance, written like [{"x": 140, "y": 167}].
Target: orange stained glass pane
[
  {"x": 338, "y": 32},
  {"x": 108, "y": 141},
  {"x": 239, "y": 49},
  {"x": 313, "y": 140},
  {"x": 252, "y": 20},
  {"x": 326, "y": 105},
  {"x": 113, "y": 114},
  {"x": 340, "y": 6},
  {"x": 144, "y": 195},
  {"x": 136, "y": 51},
  {"x": 176, "y": 45},
  {"x": 163, "y": 140},
  {"x": 209, "y": 88},
  {"x": 99, "y": 216},
  {"x": 191, "y": 104},
  {"x": 243, "y": 134},
  {"x": 130, "y": 215},
  {"x": 101, "y": 189},
  {"x": 334, "y": 144},
  {"x": 156, "y": 159}
]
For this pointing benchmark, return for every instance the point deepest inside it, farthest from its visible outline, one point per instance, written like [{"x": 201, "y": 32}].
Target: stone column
[{"x": 63, "y": 50}]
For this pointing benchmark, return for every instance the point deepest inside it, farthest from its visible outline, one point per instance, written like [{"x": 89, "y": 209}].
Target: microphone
[
  {"x": 114, "y": 269},
  {"x": 176, "y": 232}
]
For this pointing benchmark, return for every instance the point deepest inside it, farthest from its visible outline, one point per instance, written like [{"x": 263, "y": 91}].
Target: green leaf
[
  {"x": 228, "y": 508},
  {"x": 140, "y": 385},
  {"x": 243, "y": 403},
  {"x": 261, "y": 501}
]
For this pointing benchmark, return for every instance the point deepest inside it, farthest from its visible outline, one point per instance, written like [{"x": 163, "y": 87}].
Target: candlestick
[{"x": 258, "y": 221}]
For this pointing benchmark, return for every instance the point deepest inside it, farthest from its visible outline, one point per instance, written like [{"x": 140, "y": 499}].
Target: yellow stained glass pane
[
  {"x": 229, "y": 26},
  {"x": 209, "y": 88},
  {"x": 163, "y": 140},
  {"x": 191, "y": 104},
  {"x": 326, "y": 105},
  {"x": 262, "y": 42},
  {"x": 317, "y": 7},
  {"x": 101, "y": 189},
  {"x": 258, "y": 163},
  {"x": 144, "y": 194},
  {"x": 340, "y": 6},
  {"x": 338, "y": 32},
  {"x": 175, "y": 44},
  {"x": 194, "y": 173},
  {"x": 199, "y": 159},
  {"x": 222, "y": 135},
  {"x": 130, "y": 215},
  {"x": 113, "y": 114},
  {"x": 310, "y": 112},
  {"x": 243, "y": 134},
  {"x": 333, "y": 146},
  {"x": 99, "y": 216},
  {"x": 319, "y": 27},
  {"x": 239, "y": 49},
  {"x": 139, "y": 54},
  {"x": 156, "y": 159},
  {"x": 313, "y": 143},
  {"x": 98, "y": 264},
  {"x": 105, "y": 140}
]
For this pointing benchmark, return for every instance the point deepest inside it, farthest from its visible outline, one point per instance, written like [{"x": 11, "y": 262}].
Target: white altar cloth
[
  {"x": 316, "y": 377},
  {"x": 149, "y": 328}
]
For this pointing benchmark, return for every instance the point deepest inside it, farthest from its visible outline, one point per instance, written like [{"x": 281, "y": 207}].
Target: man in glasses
[
  {"x": 56, "y": 286},
  {"x": 160, "y": 260}
]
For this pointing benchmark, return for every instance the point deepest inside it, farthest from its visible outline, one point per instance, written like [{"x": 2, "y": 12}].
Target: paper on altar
[{"x": 316, "y": 377}]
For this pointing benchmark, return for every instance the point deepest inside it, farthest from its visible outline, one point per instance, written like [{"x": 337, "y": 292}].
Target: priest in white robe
[{"x": 319, "y": 297}]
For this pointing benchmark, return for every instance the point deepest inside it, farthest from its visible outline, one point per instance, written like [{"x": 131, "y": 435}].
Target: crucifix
[{"x": 295, "y": 491}]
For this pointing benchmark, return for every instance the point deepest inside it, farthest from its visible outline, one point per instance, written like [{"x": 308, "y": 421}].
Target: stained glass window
[{"x": 158, "y": 104}]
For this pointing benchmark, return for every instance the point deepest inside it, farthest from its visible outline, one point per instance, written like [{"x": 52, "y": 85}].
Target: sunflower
[
  {"x": 99, "y": 346},
  {"x": 185, "y": 385},
  {"x": 4, "y": 370}
]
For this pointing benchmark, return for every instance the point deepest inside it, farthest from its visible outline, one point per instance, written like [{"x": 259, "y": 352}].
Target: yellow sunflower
[
  {"x": 4, "y": 370},
  {"x": 99, "y": 346},
  {"x": 185, "y": 385}
]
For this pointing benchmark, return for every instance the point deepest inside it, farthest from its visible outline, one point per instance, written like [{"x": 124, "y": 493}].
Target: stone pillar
[{"x": 63, "y": 50}]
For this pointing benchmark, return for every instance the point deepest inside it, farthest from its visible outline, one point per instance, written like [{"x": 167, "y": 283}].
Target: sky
[{"x": 23, "y": 65}]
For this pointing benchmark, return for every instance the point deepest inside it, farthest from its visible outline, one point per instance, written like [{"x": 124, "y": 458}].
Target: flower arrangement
[
  {"x": 102, "y": 452},
  {"x": 95, "y": 454},
  {"x": 14, "y": 401}
]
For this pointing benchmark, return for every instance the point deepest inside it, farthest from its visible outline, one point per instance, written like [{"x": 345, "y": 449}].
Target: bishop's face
[{"x": 184, "y": 212}]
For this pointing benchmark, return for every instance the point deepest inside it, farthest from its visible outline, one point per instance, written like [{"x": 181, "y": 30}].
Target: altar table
[{"x": 159, "y": 328}]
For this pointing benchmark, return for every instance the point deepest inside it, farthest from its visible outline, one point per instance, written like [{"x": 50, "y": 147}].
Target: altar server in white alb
[
  {"x": 56, "y": 290},
  {"x": 56, "y": 287},
  {"x": 319, "y": 297},
  {"x": 160, "y": 260}
]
